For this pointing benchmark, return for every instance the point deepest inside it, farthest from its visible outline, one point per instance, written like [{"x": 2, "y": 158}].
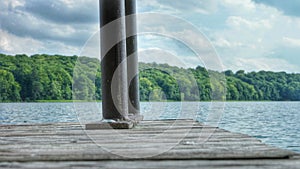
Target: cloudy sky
[{"x": 246, "y": 34}]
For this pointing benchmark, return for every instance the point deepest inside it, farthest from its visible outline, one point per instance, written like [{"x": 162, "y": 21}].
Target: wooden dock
[{"x": 151, "y": 144}]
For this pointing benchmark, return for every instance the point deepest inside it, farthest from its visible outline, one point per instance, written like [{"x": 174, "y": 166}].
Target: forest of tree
[{"x": 45, "y": 77}]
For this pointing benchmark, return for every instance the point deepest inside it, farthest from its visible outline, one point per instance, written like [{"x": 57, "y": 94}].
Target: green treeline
[{"x": 45, "y": 77}]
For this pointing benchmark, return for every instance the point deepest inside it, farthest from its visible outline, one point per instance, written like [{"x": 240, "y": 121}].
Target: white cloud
[
  {"x": 243, "y": 32},
  {"x": 72, "y": 3},
  {"x": 291, "y": 42},
  {"x": 185, "y": 33},
  {"x": 12, "y": 4},
  {"x": 255, "y": 36},
  {"x": 223, "y": 43},
  {"x": 268, "y": 64},
  {"x": 239, "y": 29},
  {"x": 34, "y": 26},
  {"x": 13, "y": 44},
  {"x": 178, "y": 6},
  {"x": 238, "y": 22},
  {"x": 239, "y": 4}
]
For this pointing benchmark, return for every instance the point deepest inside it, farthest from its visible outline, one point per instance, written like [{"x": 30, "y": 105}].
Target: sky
[{"x": 252, "y": 35}]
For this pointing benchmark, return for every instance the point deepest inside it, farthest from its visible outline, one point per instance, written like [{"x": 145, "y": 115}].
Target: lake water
[{"x": 275, "y": 123}]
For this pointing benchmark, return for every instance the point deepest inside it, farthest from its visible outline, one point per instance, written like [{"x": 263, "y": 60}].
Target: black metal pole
[
  {"x": 115, "y": 106},
  {"x": 132, "y": 64}
]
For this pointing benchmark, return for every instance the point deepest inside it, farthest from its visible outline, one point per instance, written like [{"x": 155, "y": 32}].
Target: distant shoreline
[{"x": 56, "y": 78}]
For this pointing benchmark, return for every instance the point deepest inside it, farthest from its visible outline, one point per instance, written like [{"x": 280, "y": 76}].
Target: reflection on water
[{"x": 275, "y": 123}]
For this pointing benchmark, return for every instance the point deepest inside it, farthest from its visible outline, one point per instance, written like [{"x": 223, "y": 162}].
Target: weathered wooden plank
[
  {"x": 167, "y": 164},
  {"x": 153, "y": 140}
]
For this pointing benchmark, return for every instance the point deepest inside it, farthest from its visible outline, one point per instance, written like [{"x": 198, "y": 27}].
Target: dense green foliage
[{"x": 44, "y": 77}]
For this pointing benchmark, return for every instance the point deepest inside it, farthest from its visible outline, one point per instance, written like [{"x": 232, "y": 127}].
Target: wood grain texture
[{"x": 174, "y": 144}]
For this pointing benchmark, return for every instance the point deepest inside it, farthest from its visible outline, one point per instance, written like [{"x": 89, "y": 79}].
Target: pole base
[{"x": 110, "y": 125}]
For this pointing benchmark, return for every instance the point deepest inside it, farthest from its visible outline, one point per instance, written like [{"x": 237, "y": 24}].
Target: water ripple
[{"x": 275, "y": 123}]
